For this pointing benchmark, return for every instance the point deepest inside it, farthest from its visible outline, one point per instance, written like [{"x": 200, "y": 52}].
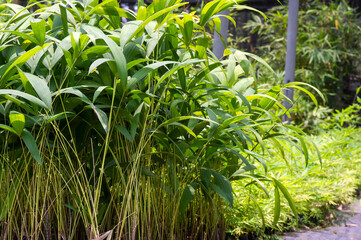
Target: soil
[{"x": 347, "y": 226}]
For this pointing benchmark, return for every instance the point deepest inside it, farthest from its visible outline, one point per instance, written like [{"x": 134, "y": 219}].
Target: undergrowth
[{"x": 316, "y": 189}]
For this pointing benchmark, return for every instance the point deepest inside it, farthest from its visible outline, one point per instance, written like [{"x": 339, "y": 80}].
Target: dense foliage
[
  {"x": 327, "y": 50},
  {"x": 131, "y": 130}
]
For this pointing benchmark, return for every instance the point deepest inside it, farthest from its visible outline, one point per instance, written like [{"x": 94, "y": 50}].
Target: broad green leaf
[
  {"x": 201, "y": 47},
  {"x": 30, "y": 143},
  {"x": 255, "y": 178},
  {"x": 17, "y": 120},
  {"x": 96, "y": 63},
  {"x": 249, "y": 166},
  {"x": 267, "y": 103},
  {"x": 288, "y": 197},
  {"x": 231, "y": 120},
  {"x": 222, "y": 186},
  {"x": 141, "y": 13},
  {"x": 102, "y": 117},
  {"x": 244, "y": 7},
  {"x": 277, "y": 209},
  {"x": 136, "y": 62},
  {"x": 185, "y": 128},
  {"x": 124, "y": 132},
  {"x": 97, "y": 92},
  {"x": 181, "y": 118},
  {"x": 205, "y": 175},
  {"x": 154, "y": 17},
  {"x": 127, "y": 32},
  {"x": 23, "y": 35},
  {"x": 98, "y": 50},
  {"x": 120, "y": 61},
  {"x": 113, "y": 11},
  {"x": 176, "y": 68},
  {"x": 187, "y": 196},
  {"x": 188, "y": 28},
  {"x": 75, "y": 92},
  {"x": 142, "y": 73},
  {"x": 260, "y": 60},
  {"x": 8, "y": 128},
  {"x": 64, "y": 19},
  {"x": 26, "y": 96},
  {"x": 293, "y": 84},
  {"x": 38, "y": 27},
  {"x": 58, "y": 116},
  {"x": 308, "y": 93},
  {"x": 19, "y": 62},
  {"x": 208, "y": 11},
  {"x": 40, "y": 87},
  {"x": 304, "y": 148}
]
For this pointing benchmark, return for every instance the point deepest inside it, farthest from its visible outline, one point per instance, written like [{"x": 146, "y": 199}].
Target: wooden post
[{"x": 293, "y": 6}]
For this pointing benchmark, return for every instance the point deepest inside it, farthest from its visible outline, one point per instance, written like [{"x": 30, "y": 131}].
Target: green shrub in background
[
  {"x": 327, "y": 49},
  {"x": 132, "y": 130}
]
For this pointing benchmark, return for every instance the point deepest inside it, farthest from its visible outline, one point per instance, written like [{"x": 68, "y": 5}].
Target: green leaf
[
  {"x": 8, "y": 128},
  {"x": 185, "y": 128},
  {"x": 267, "y": 103},
  {"x": 64, "y": 19},
  {"x": 155, "y": 16},
  {"x": 58, "y": 116},
  {"x": 181, "y": 118},
  {"x": 248, "y": 167},
  {"x": 19, "y": 62},
  {"x": 102, "y": 117},
  {"x": 97, "y": 63},
  {"x": 188, "y": 28},
  {"x": 314, "y": 100},
  {"x": 40, "y": 87},
  {"x": 38, "y": 27},
  {"x": 142, "y": 73},
  {"x": 277, "y": 209},
  {"x": 119, "y": 59},
  {"x": 23, "y": 35},
  {"x": 205, "y": 175},
  {"x": 30, "y": 143},
  {"x": 113, "y": 11},
  {"x": 187, "y": 196},
  {"x": 293, "y": 84},
  {"x": 124, "y": 132},
  {"x": 17, "y": 120},
  {"x": 97, "y": 92},
  {"x": 288, "y": 197},
  {"x": 222, "y": 186},
  {"x": 26, "y": 96}
]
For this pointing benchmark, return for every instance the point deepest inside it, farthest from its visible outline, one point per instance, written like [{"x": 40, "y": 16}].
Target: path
[{"x": 349, "y": 228}]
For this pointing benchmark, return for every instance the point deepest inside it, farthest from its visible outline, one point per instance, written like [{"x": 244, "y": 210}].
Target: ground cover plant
[
  {"x": 316, "y": 189},
  {"x": 129, "y": 130}
]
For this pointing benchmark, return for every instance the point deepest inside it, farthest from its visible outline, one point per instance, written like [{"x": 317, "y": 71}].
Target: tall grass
[{"x": 127, "y": 130}]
